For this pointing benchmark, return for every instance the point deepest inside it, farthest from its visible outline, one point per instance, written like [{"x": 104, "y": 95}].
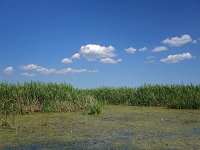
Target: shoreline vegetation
[{"x": 30, "y": 97}]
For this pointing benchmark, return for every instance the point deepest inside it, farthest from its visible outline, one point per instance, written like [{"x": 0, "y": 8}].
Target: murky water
[{"x": 122, "y": 141}]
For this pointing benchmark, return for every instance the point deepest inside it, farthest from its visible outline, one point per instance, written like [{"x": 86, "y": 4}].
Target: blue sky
[{"x": 92, "y": 43}]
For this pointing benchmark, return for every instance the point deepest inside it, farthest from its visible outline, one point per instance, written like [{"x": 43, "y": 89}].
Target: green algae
[{"x": 118, "y": 127}]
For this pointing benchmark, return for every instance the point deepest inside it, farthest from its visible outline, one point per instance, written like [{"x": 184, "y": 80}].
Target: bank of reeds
[
  {"x": 42, "y": 97},
  {"x": 31, "y": 97},
  {"x": 170, "y": 96}
]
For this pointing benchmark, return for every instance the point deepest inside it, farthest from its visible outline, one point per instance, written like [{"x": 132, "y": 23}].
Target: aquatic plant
[
  {"x": 29, "y": 97},
  {"x": 95, "y": 110}
]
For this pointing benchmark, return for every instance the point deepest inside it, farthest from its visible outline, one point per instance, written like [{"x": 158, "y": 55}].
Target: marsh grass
[
  {"x": 95, "y": 110},
  {"x": 30, "y": 97},
  {"x": 8, "y": 121}
]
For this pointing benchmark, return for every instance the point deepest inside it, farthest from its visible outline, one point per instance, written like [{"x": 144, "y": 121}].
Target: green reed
[{"x": 32, "y": 97}]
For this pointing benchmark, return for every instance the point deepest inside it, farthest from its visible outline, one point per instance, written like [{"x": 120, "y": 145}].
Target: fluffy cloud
[
  {"x": 66, "y": 61},
  {"x": 94, "y": 52},
  {"x": 110, "y": 61},
  {"x": 47, "y": 71},
  {"x": 37, "y": 68},
  {"x": 69, "y": 60},
  {"x": 76, "y": 56},
  {"x": 131, "y": 50},
  {"x": 8, "y": 70},
  {"x": 160, "y": 49},
  {"x": 29, "y": 67},
  {"x": 28, "y": 74},
  {"x": 143, "y": 49},
  {"x": 176, "y": 58},
  {"x": 176, "y": 41}
]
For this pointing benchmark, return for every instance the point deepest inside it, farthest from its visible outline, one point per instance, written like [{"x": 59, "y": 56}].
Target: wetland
[{"x": 118, "y": 127}]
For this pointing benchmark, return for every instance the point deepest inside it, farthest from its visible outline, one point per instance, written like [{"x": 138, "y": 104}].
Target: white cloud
[
  {"x": 159, "y": 49},
  {"x": 8, "y": 70},
  {"x": 47, "y": 71},
  {"x": 143, "y": 49},
  {"x": 176, "y": 58},
  {"x": 69, "y": 60},
  {"x": 131, "y": 50},
  {"x": 94, "y": 52},
  {"x": 76, "y": 56},
  {"x": 28, "y": 74},
  {"x": 29, "y": 67},
  {"x": 71, "y": 70},
  {"x": 110, "y": 61},
  {"x": 176, "y": 41},
  {"x": 66, "y": 61},
  {"x": 37, "y": 68}
]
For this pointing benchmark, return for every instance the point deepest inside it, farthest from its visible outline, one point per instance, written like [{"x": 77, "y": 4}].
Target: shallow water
[{"x": 119, "y": 127}]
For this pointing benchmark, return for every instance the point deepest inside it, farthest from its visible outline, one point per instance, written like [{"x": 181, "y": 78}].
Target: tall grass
[{"x": 31, "y": 97}]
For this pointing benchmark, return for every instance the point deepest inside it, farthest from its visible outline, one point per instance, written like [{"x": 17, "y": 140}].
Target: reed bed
[
  {"x": 32, "y": 97},
  {"x": 170, "y": 96}
]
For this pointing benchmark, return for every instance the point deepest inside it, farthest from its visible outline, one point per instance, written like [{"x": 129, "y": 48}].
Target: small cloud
[
  {"x": 71, "y": 70},
  {"x": 93, "y": 71},
  {"x": 160, "y": 49},
  {"x": 176, "y": 58},
  {"x": 110, "y": 61},
  {"x": 29, "y": 67},
  {"x": 8, "y": 70},
  {"x": 44, "y": 70},
  {"x": 37, "y": 68},
  {"x": 69, "y": 60},
  {"x": 194, "y": 41},
  {"x": 143, "y": 49},
  {"x": 28, "y": 74},
  {"x": 76, "y": 56},
  {"x": 66, "y": 61},
  {"x": 131, "y": 50},
  {"x": 150, "y": 59},
  {"x": 176, "y": 41}
]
